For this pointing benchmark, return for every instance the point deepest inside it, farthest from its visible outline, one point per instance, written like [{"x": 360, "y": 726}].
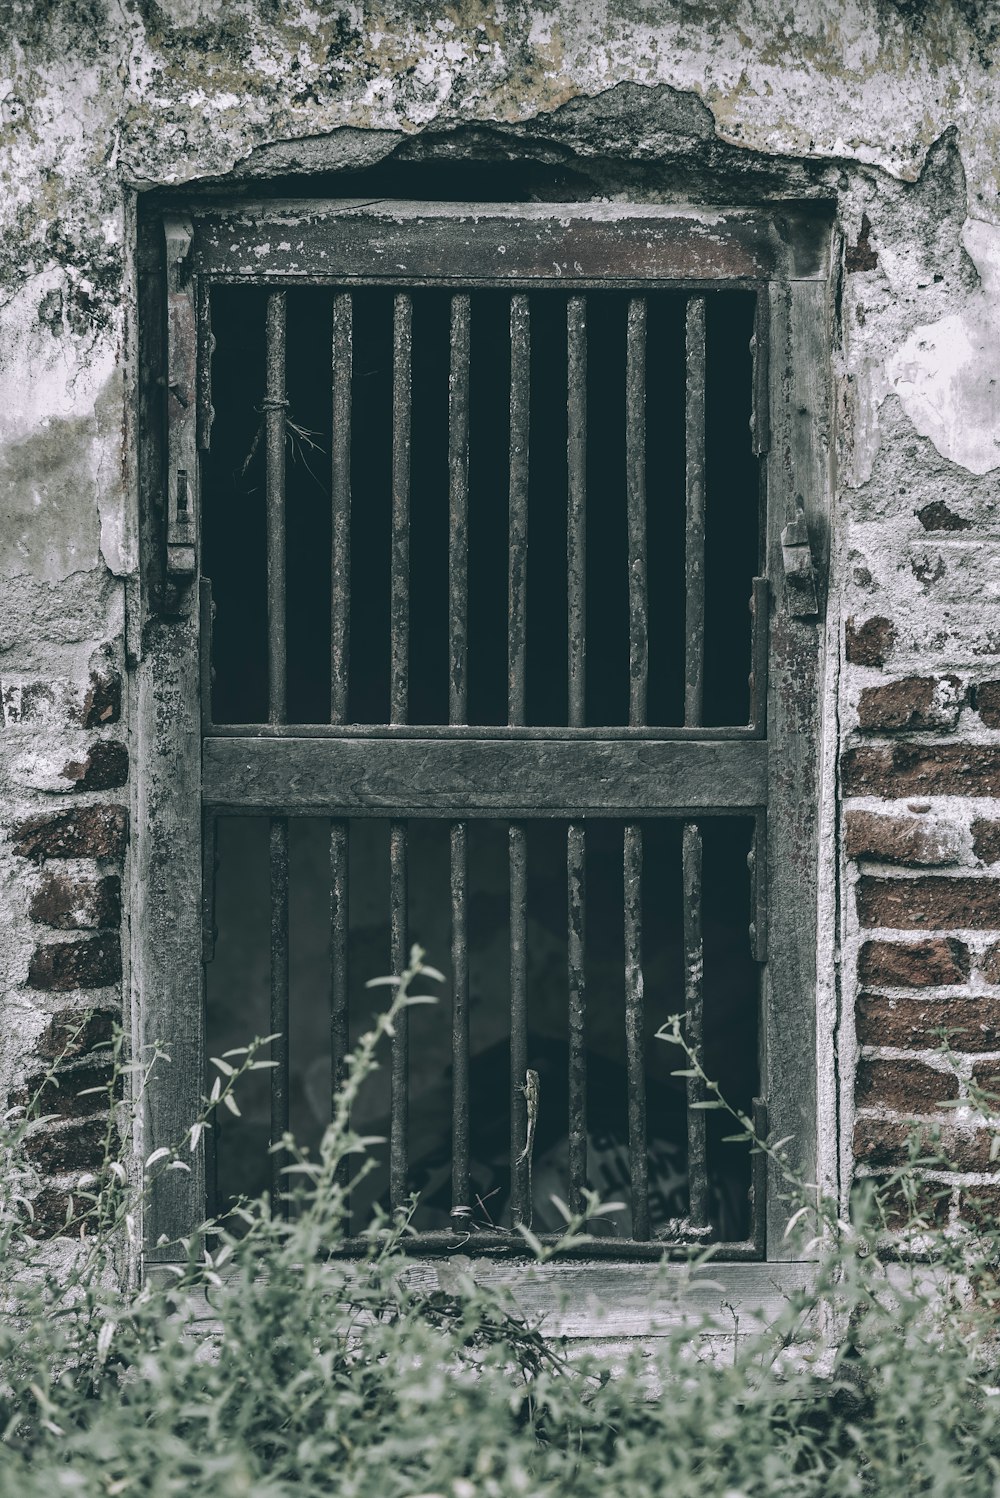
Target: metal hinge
[
  {"x": 182, "y": 404},
  {"x": 800, "y": 570}
]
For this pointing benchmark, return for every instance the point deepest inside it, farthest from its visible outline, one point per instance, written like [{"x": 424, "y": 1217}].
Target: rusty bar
[
  {"x": 275, "y": 405},
  {"x": 340, "y": 491},
  {"x": 635, "y": 473},
  {"x": 694, "y": 429},
  {"x": 694, "y": 1003},
  {"x": 339, "y": 926},
  {"x": 458, "y": 507},
  {"x": 278, "y": 857},
  {"x": 576, "y": 936},
  {"x": 634, "y": 1032},
  {"x": 576, "y": 518},
  {"x": 520, "y": 1204},
  {"x": 517, "y": 579},
  {"x": 400, "y": 1119},
  {"x": 459, "y": 1021},
  {"x": 399, "y": 609}
]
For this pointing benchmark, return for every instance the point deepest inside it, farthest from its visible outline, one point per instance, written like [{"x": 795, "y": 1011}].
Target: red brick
[
  {"x": 986, "y": 840},
  {"x": 884, "y": 1143},
  {"x": 914, "y": 964},
  {"x": 71, "y": 904},
  {"x": 966, "y": 1022},
  {"x": 922, "y": 770},
  {"x": 73, "y": 1032},
  {"x": 861, "y": 256},
  {"x": 986, "y": 699},
  {"x": 986, "y": 1074},
  {"x": 51, "y": 1207},
  {"x": 869, "y": 643},
  {"x": 905, "y": 1086},
  {"x": 914, "y": 702},
  {"x": 989, "y": 963},
  {"x": 104, "y": 769},
  {"x": 929, "y": 903},
  {"x": 89, "y": 962},
  {"x": 979, "y": 1206},
  {"x": 75, "y": 1146},
  {"x": 83, "y": 832},
  {"x": 920, "y": 841},
  {"x": 931, "y": 1205},
  {"x": 102, "y": 703},
  {"x": 61, "y": 1096}
]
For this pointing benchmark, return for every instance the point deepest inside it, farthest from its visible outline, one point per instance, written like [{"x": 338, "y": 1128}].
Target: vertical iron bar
[
  {"x": 275, "y": 406},
  {"x": 634, "y": 1032},
  {"x": 399, "y": 609},
  {"x": 206, "y": 620},
  {"x": 576, "y": 526},
  {"x": 758, "y": 1226},
  {"x": 577, "y": 914},
  {"x": 694, "y": 446},
  {"x": 399, "y": 1123},
  {"x": 694, "y": 985},
  {"x": 339, "y": 927},
  {"x": 458, "y": 506},
  {"x": 279, "y": 1007},
  {"x": 757, "y": 864},
  {"x": 459, "y": 1021},
  {"x": 517, "y": 594},
  {"x": 340, "y": 490},
  {"x": 520, "y": 1206},
  {"x": 209, "y": 868},
  {"x": 760, "y": 600},
  {"x": 635, "y": 466}
]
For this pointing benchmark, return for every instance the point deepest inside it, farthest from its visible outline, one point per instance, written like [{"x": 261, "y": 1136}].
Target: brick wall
[
  {"x": 920, "y": 781},
  {"x": 65, "y": 848}
]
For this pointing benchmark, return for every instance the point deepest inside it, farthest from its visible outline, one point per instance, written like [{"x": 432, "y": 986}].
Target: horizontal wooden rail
[{"x": 487, "y": 778}]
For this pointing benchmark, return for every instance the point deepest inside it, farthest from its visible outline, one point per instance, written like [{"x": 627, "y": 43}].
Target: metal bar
[
  {"x": 459, "y": 1021},
  {"x": 275, "y": 406},
  {"x": 759, "y": 347},
  {"x": 399, "y": 1122},
  {"x": 457, "y": 731},
  {"x": 209, "y": 867},
  {"x": 694, "y": 429},
  {"x": 758, "y": 1227},
  {"x": 634, "y": 1032},
  {"x": 492, "y": 1244},
  {"x": 458, "y": 508},
  {"x": 757, "y": 864},
  {"x": 339, "y": 929},
  {"x": 635, "y": 472},
  {"x": 517, "y": 582},
  {"x": 206, "y": 348},
  {"x": 576, "y": 930},
  {"x": 576, "y": 517},
  {"x": 206, "y": 620},
  {"x": 340, "y": 490},
  {"x": 760, "y": 600},
  {"x": 519, "y": 1172},
  {"x": 399, "y": 609},
  {"x": 694, "y": 1002},
  {"x": 279, "y": 1007}
]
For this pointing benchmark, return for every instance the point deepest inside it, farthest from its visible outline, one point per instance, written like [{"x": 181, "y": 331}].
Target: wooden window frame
[{"x": 783, "y": 253}]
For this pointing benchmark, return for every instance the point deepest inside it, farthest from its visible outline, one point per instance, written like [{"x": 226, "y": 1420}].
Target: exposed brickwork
[
  {"x": 104, "y": 769},
  {"x": 965, "y": 1022},
  {"x": 918, "y": 964},
  {"x": 102, "y": 703},
  {"x": 905, "y": 1086},
  {"x": 986, "y": 1075},
  {"x": 923, "y": 841},
  {"x": 979, "y": 1206},
  {"x": 986, "y": 840},
  {"x": 73, "y": 1032},
  {"x": 77, "y": 904},
  {"x": 90, "y": 962},
  {"x": 62, "y": 1096},
  {"x": 55, "y": 1148},
  {"x": 884, "y": 1143},
  {"x": 82, "y": 832},
  {"x": 870, "y": 643},
  {"x": 51, "y": 1207},
  {"x": 989, "y": 963},
  {"x": 938, "y": 517},
  {"x": 987, "y": 703},
  {"x": 903, "y": 770},
  {"x": 914, "y": 702},
  {"x": 861, "y": 256},
  {"x": 929, "y": 903},
  {"x": 931, "y": 1202}
]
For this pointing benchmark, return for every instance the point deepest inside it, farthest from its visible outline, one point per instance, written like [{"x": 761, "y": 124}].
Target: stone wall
[{"x": 889, "y": 110}]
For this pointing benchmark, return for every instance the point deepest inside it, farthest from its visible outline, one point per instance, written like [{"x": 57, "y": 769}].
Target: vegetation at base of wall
[{"x": 311, "y": 1374}]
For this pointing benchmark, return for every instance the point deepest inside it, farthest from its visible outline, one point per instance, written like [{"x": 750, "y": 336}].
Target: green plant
[{"x": 266, "y": 1366}]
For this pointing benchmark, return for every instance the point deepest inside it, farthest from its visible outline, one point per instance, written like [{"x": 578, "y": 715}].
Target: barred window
[{"x": 490, "y": 576}]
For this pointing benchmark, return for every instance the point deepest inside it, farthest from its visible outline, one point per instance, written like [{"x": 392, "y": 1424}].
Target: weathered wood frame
[{"x": 782, "y": 254}]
